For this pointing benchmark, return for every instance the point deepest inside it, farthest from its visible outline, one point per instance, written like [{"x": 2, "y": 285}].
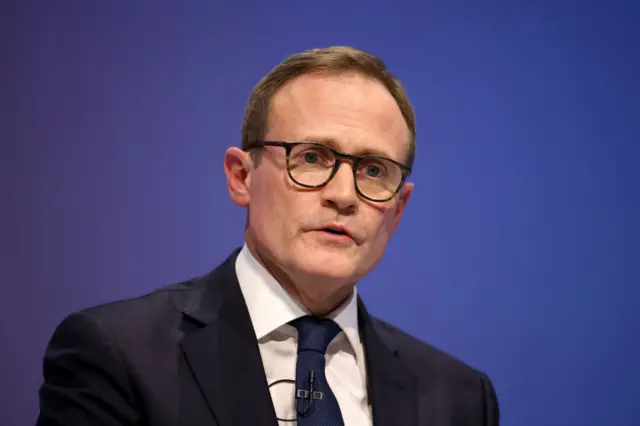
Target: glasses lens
[
  {"x": 311, "y": 164},
  {"x": 378, "y": 178}
]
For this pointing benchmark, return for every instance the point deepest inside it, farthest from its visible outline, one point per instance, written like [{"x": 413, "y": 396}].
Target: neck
[{"x": 318, "y": 303}]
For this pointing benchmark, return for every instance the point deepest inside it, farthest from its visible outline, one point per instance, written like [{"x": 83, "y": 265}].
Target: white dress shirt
[{"x": 271, "y": 309}]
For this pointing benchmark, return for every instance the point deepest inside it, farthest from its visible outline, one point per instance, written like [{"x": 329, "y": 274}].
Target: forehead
[{"x": 354, "y": 113}]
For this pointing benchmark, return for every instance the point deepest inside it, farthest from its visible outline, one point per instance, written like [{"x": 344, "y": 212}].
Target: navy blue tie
[{"x": 315, "y": 402}]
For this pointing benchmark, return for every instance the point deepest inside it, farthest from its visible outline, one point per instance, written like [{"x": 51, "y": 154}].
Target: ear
[
  {"x": 403, "y": 199},
  {"x": 238, "y": 167}
]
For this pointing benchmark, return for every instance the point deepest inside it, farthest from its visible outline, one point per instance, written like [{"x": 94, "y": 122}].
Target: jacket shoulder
[
  {"x": 149, "y": 307},
  {"x": 136, "y": 323},
  {"x": 463, "y": 391},
  {"x": 154, "y": 314},
  {"x": 426, "y": 360}
]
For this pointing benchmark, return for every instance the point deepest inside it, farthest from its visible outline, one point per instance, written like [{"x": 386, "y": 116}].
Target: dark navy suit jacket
[{"x": 187, "y": 355}]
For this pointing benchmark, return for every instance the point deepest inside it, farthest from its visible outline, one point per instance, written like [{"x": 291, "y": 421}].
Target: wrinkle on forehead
[{"x": 353, "y": 109}]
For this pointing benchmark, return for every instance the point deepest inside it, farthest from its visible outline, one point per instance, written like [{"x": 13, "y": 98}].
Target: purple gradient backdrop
[{"x": 520, "y": 250}]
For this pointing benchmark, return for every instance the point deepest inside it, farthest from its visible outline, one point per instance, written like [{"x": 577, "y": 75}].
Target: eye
[
  {"x": 313, "y": 156},
  {"x": 310, "y": 157},
  {"x": 373, "y": 171}
]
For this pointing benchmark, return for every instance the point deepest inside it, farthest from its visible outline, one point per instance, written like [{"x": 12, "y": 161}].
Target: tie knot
[{"x": 315, "y": 334}]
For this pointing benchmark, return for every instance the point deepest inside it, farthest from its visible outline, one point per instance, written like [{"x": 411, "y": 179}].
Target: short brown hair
[{"x": 330, "y": 59}]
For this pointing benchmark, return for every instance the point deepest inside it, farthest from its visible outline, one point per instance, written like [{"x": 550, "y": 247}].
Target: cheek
[
  {"x": 384, "y": 223},
  {"x": 270, "y": 209},
  {"x": 383, "y": 230}
]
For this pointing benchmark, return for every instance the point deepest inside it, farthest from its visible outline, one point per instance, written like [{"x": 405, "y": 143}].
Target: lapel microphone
[
  {"x": 308, "y": 395},
  {"x": 302, "y": 395}
]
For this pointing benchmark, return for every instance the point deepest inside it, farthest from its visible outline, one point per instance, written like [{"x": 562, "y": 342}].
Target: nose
[{"x": 340, "y": 192}]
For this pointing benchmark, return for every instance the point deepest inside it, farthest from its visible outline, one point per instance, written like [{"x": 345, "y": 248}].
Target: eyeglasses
[{"x": 313, "y": 165}]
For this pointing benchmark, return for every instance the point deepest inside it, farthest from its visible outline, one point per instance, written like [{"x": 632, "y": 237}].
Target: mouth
[
  {"x": 338, "y": 231},
  {"x": 334, "y": 231}
]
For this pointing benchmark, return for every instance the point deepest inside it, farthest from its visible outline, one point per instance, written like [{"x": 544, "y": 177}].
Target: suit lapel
[
  {"x": 391, "y": 387},
  {"x": 223, "y": 351},
  {"x": 224, "y": 357}
]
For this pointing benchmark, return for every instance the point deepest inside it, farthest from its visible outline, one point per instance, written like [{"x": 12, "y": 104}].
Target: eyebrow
[{"x": 333, "y": 143}]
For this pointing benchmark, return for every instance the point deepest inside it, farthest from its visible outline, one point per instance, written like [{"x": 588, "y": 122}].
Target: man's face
[{"x": 285, "y": 220}]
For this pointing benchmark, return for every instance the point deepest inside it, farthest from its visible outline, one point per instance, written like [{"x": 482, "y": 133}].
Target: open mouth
[{"x": 335, "y": 231}]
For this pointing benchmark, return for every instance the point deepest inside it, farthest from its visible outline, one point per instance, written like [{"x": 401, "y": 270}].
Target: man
[{"x": 277, "y": 333}]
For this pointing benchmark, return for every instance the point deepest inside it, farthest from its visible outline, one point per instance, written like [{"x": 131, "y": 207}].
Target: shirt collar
[{"x": 270, "y": 306}]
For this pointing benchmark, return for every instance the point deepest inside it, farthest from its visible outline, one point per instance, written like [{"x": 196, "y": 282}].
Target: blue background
[{"x": 519, "y": 252}]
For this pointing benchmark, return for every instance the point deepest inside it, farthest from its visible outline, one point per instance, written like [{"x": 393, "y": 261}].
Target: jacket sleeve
[
  {"x": 491, "y": 407},
  {"x": 85, "y": 378}
]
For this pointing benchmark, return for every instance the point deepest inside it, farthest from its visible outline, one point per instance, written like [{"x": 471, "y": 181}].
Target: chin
[{"x": 332, "y": 265}]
